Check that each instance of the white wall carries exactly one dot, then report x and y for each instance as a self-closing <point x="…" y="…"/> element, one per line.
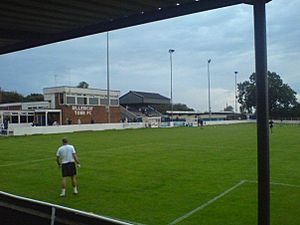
<point x="28" y="130"/>
<point x="227" y="122"/>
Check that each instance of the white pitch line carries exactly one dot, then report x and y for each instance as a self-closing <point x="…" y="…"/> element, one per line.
<point x="288" y="185"/>
<point x="276" y="183"/>
<point x="207" y="203"/>
<point x="27" y="162"/>
<point x="54" y="157"/>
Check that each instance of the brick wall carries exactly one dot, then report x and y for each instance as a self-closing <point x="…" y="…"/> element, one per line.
<point x="88" y="113"/>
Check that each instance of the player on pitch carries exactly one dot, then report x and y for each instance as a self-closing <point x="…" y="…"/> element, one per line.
<point x="66" y="157"/>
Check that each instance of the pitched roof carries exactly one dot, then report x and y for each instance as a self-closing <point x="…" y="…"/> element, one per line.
<point x="149" y="95"/>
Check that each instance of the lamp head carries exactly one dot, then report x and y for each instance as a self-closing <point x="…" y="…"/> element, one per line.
<point x="171" y="50"/>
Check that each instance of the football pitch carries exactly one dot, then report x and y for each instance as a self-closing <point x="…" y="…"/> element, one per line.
<point x="188" y="176"/>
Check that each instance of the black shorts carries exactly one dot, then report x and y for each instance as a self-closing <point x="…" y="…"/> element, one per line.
<point x="68" y="169"/>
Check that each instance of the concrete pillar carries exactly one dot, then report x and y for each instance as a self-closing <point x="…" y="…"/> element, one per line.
<point x="46" y="118"/>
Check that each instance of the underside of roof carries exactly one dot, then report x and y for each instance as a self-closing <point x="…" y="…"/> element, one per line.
<point x="31" y="23"/>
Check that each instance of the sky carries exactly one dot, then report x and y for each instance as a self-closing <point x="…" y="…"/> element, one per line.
<point x="140" y="61"/>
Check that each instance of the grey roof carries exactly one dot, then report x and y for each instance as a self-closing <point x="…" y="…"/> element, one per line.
<point x="31" y="23"/>
<point x="143" y="98"/>
<point x="149" y="95"/>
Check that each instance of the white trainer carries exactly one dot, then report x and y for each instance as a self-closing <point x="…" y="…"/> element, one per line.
<point x="75" y="191"/>
<point x="63" y="193"/>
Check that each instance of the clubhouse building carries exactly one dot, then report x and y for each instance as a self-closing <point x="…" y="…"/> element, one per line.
<point x="65" y="105"/>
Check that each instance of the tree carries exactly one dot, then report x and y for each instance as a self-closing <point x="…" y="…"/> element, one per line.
<point x="282" y="98"/>
<point x="83" y="84"/>
<point x="247" y="96"/>
<point x="181" y="107"/>
<point x="228" y="108"/>
<point x="13" y="96"/>
<point x="295" y="112"/>
<point x="10" y="96"/>
<point x="176" y="107"/>
<point x="34" y="97"/>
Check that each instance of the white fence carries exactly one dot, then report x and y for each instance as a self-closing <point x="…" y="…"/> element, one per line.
<point x="29" y="130"/>
<point x="295" y="122"/>
<point x="227" y="122"/>
<point x="18" y="130"/>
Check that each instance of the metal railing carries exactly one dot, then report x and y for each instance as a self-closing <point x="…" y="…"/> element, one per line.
<point x="16" y="210"/>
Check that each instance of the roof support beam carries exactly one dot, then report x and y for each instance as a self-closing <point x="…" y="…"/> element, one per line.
<point x="262" y="112"/>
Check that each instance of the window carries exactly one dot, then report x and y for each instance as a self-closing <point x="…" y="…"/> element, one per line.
<point x="103" y="101"/>
<point x="114" y="102"/>
<point x="61" y="98"/>
<point x="81" y="101"/>
<point x="23" y="119"/>
<point x="93" y="101"/>
<point x="14" y="119"/>
<point x="30" y="119"/>
<point x="70" y="100"/>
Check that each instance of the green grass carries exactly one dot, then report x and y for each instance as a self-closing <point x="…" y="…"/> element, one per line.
<point x="154" y="176"/>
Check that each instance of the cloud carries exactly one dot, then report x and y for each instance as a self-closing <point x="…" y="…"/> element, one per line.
<point x="198" y="98"/>
<point x="298" y="97"/>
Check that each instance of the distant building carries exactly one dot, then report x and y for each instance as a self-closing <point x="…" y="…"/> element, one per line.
<point x="191" y="116"/>
<point x="140" y="106"/>
<point x="138" y="98"/>
<point x="83" y="105"/>
<point x="29" y="112"/>
<point x="64" y="105"/>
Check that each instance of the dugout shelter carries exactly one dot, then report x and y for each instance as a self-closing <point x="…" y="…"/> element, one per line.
<point x="32" y="23"/>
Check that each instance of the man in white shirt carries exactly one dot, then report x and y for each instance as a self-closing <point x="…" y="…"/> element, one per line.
<point x="66" y="157"/>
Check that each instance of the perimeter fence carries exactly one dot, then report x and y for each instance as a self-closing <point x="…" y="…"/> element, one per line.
<point x="16" y="210"/>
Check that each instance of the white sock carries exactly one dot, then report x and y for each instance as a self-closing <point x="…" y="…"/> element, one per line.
<point x="63" y="191"/>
